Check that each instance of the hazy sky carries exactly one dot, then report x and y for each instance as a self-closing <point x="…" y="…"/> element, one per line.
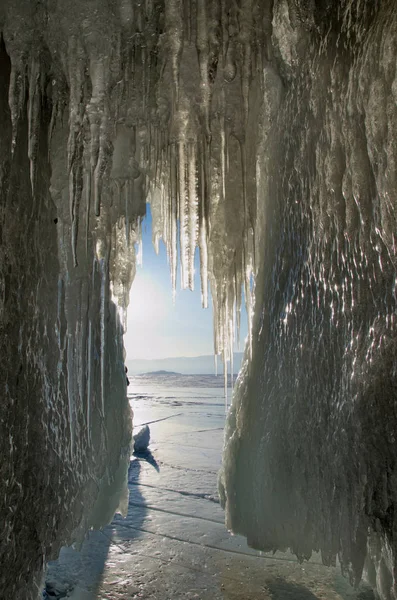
<point x="156" y="328"/>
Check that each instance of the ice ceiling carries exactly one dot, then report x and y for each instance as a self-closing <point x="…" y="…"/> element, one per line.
<point x="263" y="132"/>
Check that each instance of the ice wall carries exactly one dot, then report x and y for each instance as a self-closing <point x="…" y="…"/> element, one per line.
<point x="310" y="455"/>
<point x="262" y="132"/>
<point x="65" y="420"/>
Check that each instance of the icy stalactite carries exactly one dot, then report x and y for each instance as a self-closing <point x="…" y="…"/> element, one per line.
<point x="203" y="236"/>
<point x="202" y="44"/>
<point x="203" y="263"/>
<point x="245" y="40"/>
<point x="34" y="106"/>
<point x="225" y="374"/>
<point x="183" y="215"/>
<point x="192" y="211"/>
<point x="76" y="78"/>
<point x="98" y="119"/>
<point x="71" y="392"/>
<point x="172" y="211"/>
<point x="87" y="211"/>
<point x="103" y="306"/>
<point x="175" y="34"/>
<point x="127" y="194"/>
<point x="16" y="95"/>
<point x="89" y="380"/>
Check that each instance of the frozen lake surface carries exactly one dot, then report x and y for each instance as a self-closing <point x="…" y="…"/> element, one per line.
<point x="173" y="543"/>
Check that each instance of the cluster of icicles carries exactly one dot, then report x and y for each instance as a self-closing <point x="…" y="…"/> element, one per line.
<point x="156" y="93"/>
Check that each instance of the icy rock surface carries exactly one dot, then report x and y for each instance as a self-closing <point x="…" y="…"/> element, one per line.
<point x="263" y="133"/>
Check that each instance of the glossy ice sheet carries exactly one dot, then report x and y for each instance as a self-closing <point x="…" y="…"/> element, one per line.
<point x="173" y="543"/>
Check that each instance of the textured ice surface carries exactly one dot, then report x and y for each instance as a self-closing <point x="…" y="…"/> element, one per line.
<point x="173" y="543"/>
<point x="263" y="132"/>
<point x="309" y="461"/>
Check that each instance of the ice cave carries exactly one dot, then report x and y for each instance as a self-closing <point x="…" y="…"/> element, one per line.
<point x="263" y="132"/>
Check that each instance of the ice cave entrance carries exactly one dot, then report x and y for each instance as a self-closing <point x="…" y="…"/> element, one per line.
<point x="169" y="344"/>
<point x="172" y="332"/>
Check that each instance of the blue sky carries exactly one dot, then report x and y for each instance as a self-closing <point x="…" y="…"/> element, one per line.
<point x="156" y="327"/>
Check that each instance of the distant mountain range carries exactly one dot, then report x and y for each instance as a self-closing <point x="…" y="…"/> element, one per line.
<point x="186" y="365"/>
<point x="151" y="373"/>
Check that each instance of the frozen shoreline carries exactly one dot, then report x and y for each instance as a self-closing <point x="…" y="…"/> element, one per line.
<point x="173" y="543"/>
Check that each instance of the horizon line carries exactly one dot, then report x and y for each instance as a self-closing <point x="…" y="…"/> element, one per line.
<point x="179" y="357"/>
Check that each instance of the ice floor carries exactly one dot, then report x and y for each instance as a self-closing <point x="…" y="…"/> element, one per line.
<point x="173" y="543"/>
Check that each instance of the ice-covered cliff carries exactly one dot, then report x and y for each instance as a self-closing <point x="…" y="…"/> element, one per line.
<point x="262" y="132"/>
<point x="310" y="456"/>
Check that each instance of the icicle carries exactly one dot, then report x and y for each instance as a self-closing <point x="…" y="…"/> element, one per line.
<point x="127" y="212"/>
<point x="60" y="301"/>
<point x="88" y="208"/>
<point x="94" y="134"/>
<point x="103" y="160"/>
<point x="167" y="199"/>
<point x="104" y="285"/>
<point x="81" y="350"/>
<point x="75" y="140"/>
<point x="215" y="40"/>
<point x="75" y="193"/>
<point x="76" y="76"/>
<point x="230" y="317"/>
<point x="203" y="56"/>
<point x="224" y="31"/>
<point x="224" y="356"/>
<point x="139" y="256"/>
<point x="188" y="15"/>
<point x="248" y="304"/>
<point x="183" y="215"/>
<point x="51" y="127"/>
<point x="229" y="67"/>
<point x="71" y="394"/>
<point x="164" y="214"/>
<point x="34" y="106"/>
<point x="173" y="253"/>
<point x="244" y="181"/>
<point x="232" y="369"/>
<point x="203" y="263"/>
<point x="246" y="249"/>
<point x="156" y="243"/>
<point x="193" y="208"/>
<point x="157" y="151"/>
<point x="203" y="233"/>
<point x="237" y="293"/>
<point x="222" y="120"/>
<point x="174" y="29"/>
<point x="89" y="382"/>
<point x="16" y="97"/>
<point x="215" y="320"/>
<point x="163" y="157"/>
<point x="245" y="18"/>
<point x="97" y="111"/>
<point x="145" y="99"/>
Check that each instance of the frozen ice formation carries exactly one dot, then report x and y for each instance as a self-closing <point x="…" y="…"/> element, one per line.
<point x="142" y="439"/>
<point x="263" y="133"/>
